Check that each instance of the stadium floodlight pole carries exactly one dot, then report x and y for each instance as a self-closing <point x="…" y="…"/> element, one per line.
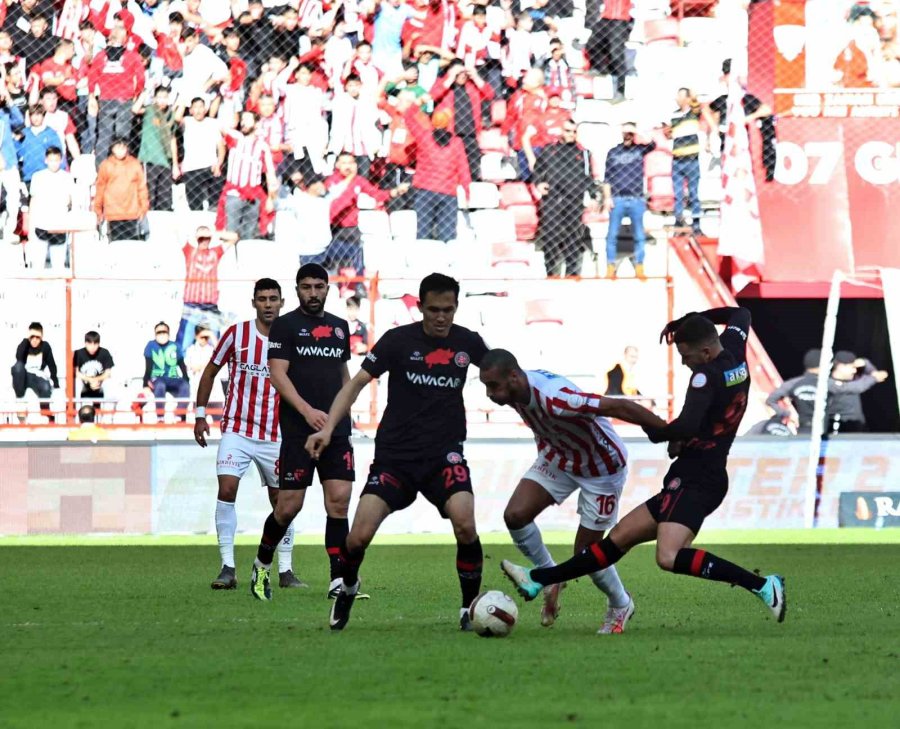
<point x="818" y="443"/>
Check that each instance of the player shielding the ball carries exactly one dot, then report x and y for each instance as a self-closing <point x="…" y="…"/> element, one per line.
<point x="697" y="481"/>
<point x="578" y="450"/>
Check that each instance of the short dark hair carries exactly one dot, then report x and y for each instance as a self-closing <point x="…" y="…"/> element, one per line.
<point x="696" y="330"/>
<point x="117" y="141"/>
<point x="347" y="153"/>
<point x="355" y="300"/>
<point x="479" y="10"/>
<point x="198" y="98"/>
<point x="438" y="283"/>
<point x="312" y="270"/>
<point x="51" y="151"/>
<point x="36" y="325"/>
<point x="92" y="337"/>
<point x="352" y="77"/>
<point x="726" y="66"/>
<point x="229" y="31"/>
<point x="37" y="109"/>
<point x="161" y="324"/>
<point x="266" y="284"/>
<point x="188" y="32"/>
<point x="176" y="18"/>
<point x="161" y="88"/>
<point x="499" y="359"/>
<point x="87" y="414"/>
<point x="86" y="25"/>
<point x="48" y="90"/>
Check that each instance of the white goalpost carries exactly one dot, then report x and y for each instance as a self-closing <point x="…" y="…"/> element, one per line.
<point x="818" y="445"/>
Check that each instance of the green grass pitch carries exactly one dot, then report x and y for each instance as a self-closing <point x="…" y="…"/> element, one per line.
<point x="130" y="634"/>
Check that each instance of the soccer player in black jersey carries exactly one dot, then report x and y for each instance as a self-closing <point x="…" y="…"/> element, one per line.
<point x="308" y="353"/>
<point x="419" y="442"/>
<point x="699" y="439"/>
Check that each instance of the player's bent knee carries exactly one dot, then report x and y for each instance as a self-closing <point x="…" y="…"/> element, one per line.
<point x="665" y="558"/>
<point x="515" y="518"/>
<point x="465" y="532"/>
<point x="359" y="538"/>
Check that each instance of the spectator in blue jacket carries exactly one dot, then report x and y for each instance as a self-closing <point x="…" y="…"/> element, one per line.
<point x="9" y="179"/>
<point x="623" y="196"/>
<point x="36" y="140"/>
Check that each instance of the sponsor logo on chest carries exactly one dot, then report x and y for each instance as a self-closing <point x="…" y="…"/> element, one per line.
<point x="260" y="370"/>
<point x="320" y="351"/>
<point x="419" y="378"/>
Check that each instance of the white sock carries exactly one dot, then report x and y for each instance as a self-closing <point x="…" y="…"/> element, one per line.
<point x="609" y="583"/>
<point x="530" y="543"/>
<point x="286" y="549"/>
<point x="226" y="526"/>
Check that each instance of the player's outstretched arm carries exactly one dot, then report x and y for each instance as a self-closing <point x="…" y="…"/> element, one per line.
<point x="340" y="407"/>
<point x="629" y="412"/>
<point x="687" y="424"/>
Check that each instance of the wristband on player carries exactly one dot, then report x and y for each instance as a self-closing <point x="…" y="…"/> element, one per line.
<point x="200" y="412"/>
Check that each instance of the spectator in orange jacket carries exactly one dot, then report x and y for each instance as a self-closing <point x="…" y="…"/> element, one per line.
<point x="461" y="91"/>
<point x="122" y="198"/>
<point x="441" y="167"/>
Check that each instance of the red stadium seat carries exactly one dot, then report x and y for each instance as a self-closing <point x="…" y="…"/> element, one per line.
<point x="515" y="193"/>
<point x="493" y="140"/>
<point x="584" y="85"/>
<point x="663" y="30"/>
<point x="542" y="311"/>
<point x="658" y="164"/>
<point x="511" y="253"/>
<point x="662" y="194"/>
<point x="526" y="221"/>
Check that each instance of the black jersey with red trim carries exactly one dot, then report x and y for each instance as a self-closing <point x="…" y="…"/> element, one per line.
<point x="425" y="415"/>
<point x="716" y="398"/>
<point x="316" y="348"/>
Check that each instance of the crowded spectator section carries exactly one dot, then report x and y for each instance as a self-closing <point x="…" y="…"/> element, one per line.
<point x="493" y="122"/>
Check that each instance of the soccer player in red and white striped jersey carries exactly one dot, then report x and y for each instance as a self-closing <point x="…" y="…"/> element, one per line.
<point x="578" y="450"/>
<point x="250" y="432"/>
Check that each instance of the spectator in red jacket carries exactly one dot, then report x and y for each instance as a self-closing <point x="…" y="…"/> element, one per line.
<point x="461" y="91"/>
<point x="441" y="167"/>
<point x="344" y="188"/>
<point x="525" y="111"/>
<point x="115" y="78"/>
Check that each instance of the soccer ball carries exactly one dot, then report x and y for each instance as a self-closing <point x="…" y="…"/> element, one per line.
<point x="493" y="614"/>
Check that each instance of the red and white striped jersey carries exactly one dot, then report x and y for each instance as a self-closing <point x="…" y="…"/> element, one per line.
<point x="476" y="45"/>
<point x="567" y="428"/>
<point x="248" y="157"/>
<point x="251" y="402"/>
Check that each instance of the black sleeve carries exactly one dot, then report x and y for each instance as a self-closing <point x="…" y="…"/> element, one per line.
<point x="22" y="351"/>
<point x="778" y="394"/>
<point x="542" y="166"/>
<point x="50" y="364"/>
<point x="279" y="340"/>
<point x="851" y="387"/>
<point x="479" y="349"/>
<point x="696" y="404"/>
<point x="647" y="148"/>
<point x="750" y="103"/>
<point x="106" y="359"/>
<point x="737" y="327"/>
<point x="148" y="369"/>
<point x="719" y="104"/>
<point x="378" y="360"/>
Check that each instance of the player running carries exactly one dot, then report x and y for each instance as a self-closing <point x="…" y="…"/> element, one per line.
<point x="249" y="425"/>
<point x="308" y="353"/>
<point x="419" y="442"/>
<point x="697" y="481"/>
<point x="578" y="450"/>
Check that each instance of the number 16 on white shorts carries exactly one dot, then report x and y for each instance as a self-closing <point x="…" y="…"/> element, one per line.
<point x="598" y="497"/>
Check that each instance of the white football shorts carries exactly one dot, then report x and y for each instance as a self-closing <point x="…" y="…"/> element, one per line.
<point x="237" y="452"/>
<point x="598" y="497"/>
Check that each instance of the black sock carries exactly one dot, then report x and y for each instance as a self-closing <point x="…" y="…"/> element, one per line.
<point x="469" y="562"/>
<point x="349" y="564"/>
<point x="336" y="531"/>
<point x="596" y="556"/>
<point x="698" y="563"/>
<point x="272" y="535"/>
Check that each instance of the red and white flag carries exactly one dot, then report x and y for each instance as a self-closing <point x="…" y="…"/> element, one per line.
<point x="740" y="233"/>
